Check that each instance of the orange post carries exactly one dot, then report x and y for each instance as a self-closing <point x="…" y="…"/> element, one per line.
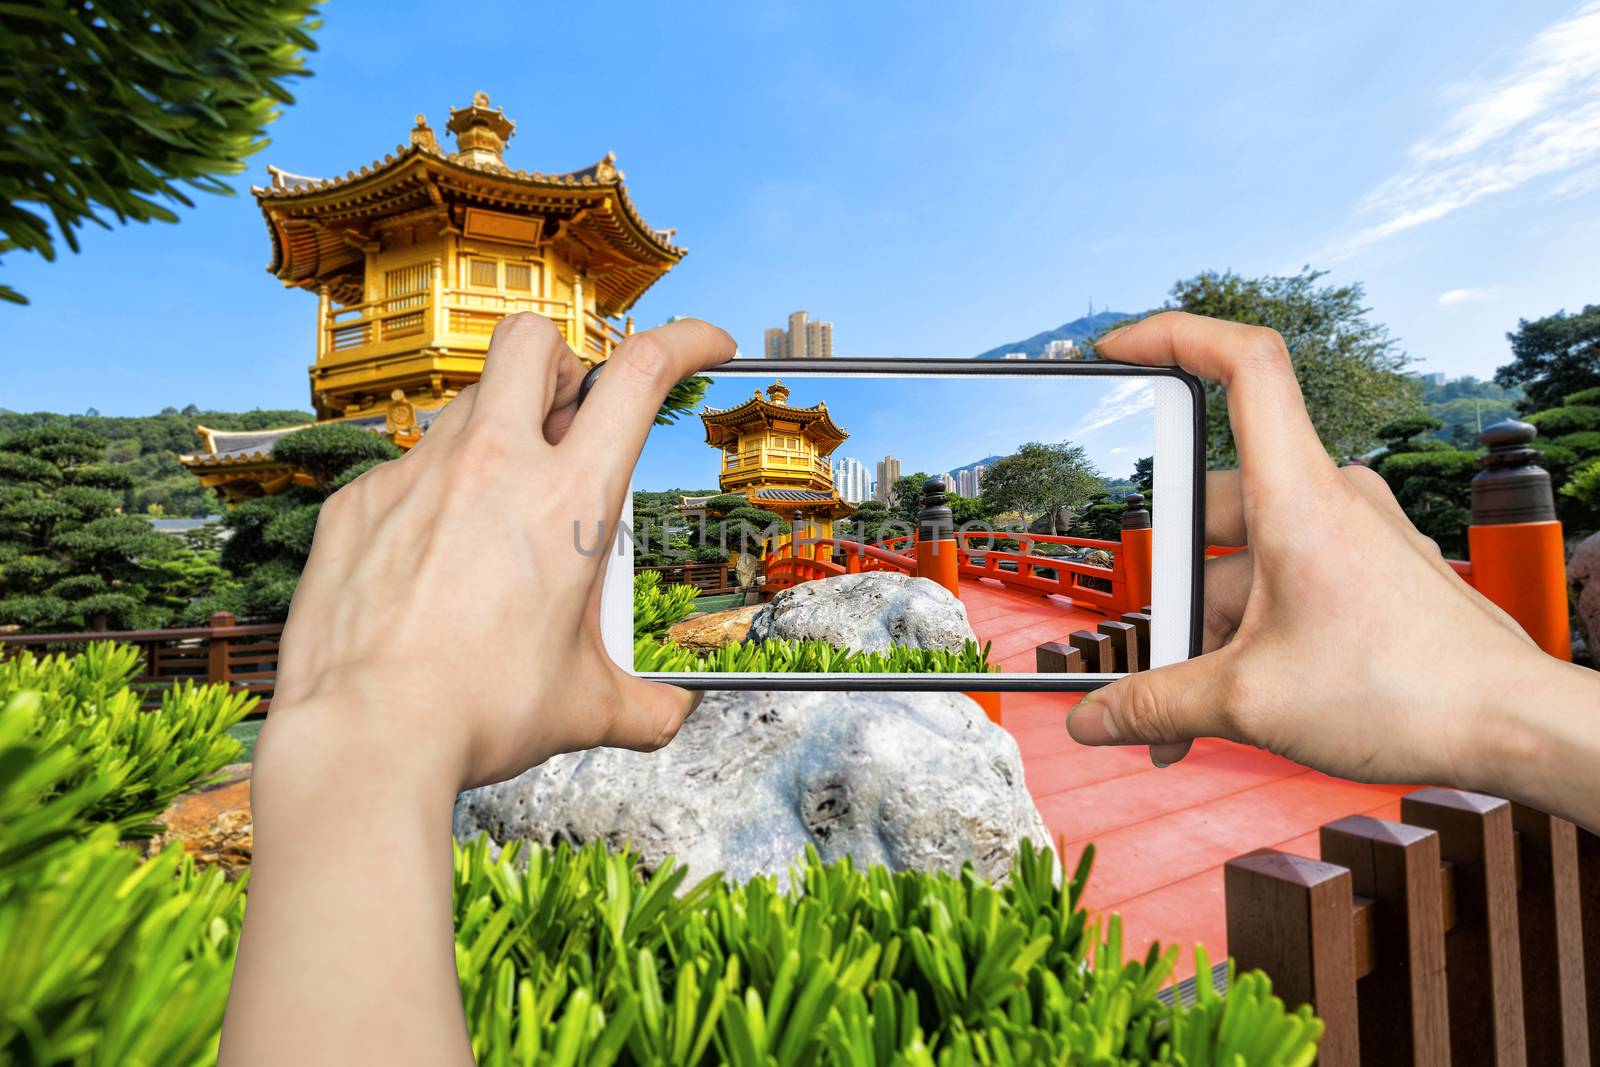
<point x="1138" y="547"/>
<point x="1515" y="543"/>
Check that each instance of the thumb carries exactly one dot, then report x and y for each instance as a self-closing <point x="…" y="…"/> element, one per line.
<point x="1165" y="708"/>
<point x="650" y="713"/>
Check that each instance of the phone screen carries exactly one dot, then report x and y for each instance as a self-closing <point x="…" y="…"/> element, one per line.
<point x="964" y="526"/>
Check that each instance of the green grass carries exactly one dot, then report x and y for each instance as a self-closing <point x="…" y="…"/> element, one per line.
<point x="721" y="602"/>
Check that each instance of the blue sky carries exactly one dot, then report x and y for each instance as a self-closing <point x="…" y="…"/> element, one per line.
<point x="929" y="424"/>
<point x="933" y="180"/>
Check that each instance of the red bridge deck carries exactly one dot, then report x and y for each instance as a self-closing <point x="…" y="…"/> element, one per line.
<point x="1161" y="836"/>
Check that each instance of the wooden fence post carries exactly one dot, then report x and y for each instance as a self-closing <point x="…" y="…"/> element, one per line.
<point x="1589" y="905"/>
<point x="1481" y="951"/>
<point x="1402" y="1001"/>
<point x="1124" y="644"/>
<point x="1552" y="939"/>
<point x="217" y="648"/>
<point x="1292" y="918"/>
<point x="1518" y="557"/>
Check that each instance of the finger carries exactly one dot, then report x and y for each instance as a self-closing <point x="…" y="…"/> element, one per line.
<point x="1227" y="591"/>
<point x="1225" y="509"/>
<point x="520" y="372"/>
<point x="651" y="713"/>
<point x="1276" y="441"/>
<point x="455" y="415"/>
<point x="564" y="405"/>
<point x="1169" y="705"/>
<point x="611" y="426"/>
<point x="1164" y="756"/>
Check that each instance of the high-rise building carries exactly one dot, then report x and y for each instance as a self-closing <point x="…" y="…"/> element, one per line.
<point x="851" y="478"/>
<point x="964" y="483"/>
<point x="804" y="339"/>
<point x="1066" y="349"/>
<point x="888" y="474"/>
<point x="977" y="479"/>
<point x="949" y="482"/>
<point x="1015" y="355"/>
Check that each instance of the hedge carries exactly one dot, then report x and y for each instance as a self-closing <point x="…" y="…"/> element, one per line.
<point x="565" y="957"/>
<point x="774" y="656"/>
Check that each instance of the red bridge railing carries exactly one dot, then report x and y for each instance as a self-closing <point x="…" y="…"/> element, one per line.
<point x="1012" y="559"/>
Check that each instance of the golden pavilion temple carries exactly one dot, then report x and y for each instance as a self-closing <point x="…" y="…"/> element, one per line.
<point x="413" y="260"/>
<point x="776" y="456"/>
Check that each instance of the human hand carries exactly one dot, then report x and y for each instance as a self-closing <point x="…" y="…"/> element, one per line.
<point x="1340" y="638"/>
<point x="446" y="600"/>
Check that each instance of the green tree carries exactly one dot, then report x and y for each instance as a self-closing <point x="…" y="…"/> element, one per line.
<point x="117" y="107"/>
<point x="270" y="536"/>
<point x="1554" y="357"/>
<point x="1042" y="479"/>
<point x="1431" y="480"/>
<point x="69" y="560"/>
<point x="1349" y="368"/>
<point x="1144" y="475"/>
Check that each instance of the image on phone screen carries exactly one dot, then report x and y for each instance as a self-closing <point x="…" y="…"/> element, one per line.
<point x="961" y="526"/>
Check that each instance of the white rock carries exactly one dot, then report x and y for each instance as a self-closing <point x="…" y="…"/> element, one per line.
<point x="911" y="780"/>
<point x="868" y="612"/>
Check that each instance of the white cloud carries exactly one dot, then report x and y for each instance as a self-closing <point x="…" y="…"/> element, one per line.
<point x="1456" y="297"/>
<point x="1132" y="396"/>
<point x="1540" y="119"/>
<point x="1116" y="451"/>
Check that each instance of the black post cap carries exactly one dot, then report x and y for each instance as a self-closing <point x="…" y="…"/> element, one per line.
<point x="1135" y="516"/>
<point x="1511" y="487"/>
<point x="935" y="522"/>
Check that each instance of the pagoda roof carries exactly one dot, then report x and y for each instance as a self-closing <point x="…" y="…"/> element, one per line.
<point x="723" y="423"/>
<point x="234" y="448"/>
<point x="321" y="227"/>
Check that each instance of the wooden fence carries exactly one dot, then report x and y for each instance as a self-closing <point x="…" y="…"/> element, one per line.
<point x="1113" y="647"/>
<point x="1460" y="935"/>
<point x="712" y="579"/>
<point x="244" y="657"/>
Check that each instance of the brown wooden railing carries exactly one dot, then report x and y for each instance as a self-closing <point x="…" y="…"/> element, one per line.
<point x="1462" y="934"/>
<point x="245" y="657"/>
<point x="712" y="579"/>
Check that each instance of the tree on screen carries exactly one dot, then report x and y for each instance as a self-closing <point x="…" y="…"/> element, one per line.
<point x="1554" y="357"/>
<point x="1042" y="479"/>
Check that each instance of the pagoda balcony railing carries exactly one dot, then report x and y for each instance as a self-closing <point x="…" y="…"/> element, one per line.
<point x="459" y="319"/>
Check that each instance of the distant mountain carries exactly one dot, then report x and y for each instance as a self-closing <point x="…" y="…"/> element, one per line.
<point x="986" y="462"/>
<point x="1078" y="330"/>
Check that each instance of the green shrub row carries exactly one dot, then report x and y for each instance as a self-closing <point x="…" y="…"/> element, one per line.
<point x="584" y="958"/>
<point x="773" y="656"/>
<point x="565" y="957"/>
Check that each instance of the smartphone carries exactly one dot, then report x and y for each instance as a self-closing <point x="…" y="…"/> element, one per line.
<point x="913" y="524"/>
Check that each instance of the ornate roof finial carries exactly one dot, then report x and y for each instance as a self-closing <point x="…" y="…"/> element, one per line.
<point x="422" y="134"/>
<point x="481" y="132"/>
<point x="606" y="170"/>
<point x="777" y="392"/>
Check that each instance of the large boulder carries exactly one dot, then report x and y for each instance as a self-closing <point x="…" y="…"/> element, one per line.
<point x="1583" y="572"/>
<point x="707" y="633"/>
<point x="910" y="780"/>
<point x="868" y="612"/>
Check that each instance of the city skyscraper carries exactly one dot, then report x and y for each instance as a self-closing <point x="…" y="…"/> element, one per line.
<point x="949" y="482"/>
<point x="964" y="483"/>
<point x="977" y="479"/>
<point x="804" y="339"/>
<point x="852" y="479"/>
<point x="888" y="474"/>
<point x="1067" y="349"/>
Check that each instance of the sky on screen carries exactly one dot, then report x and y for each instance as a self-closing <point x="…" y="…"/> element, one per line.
<point x="933" y="180"/>
<point x="929" y="424"/>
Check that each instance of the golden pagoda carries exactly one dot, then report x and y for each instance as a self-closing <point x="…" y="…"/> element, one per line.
<point x="415" y="257"/>
<point x="776" y="456"/>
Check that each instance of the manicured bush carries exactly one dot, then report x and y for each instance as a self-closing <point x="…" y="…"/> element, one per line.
<point x="585" y="958"/>
<point x="808" y="657"/>
<point x="1569" y="418"/>
<point x="654" y="608"/>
